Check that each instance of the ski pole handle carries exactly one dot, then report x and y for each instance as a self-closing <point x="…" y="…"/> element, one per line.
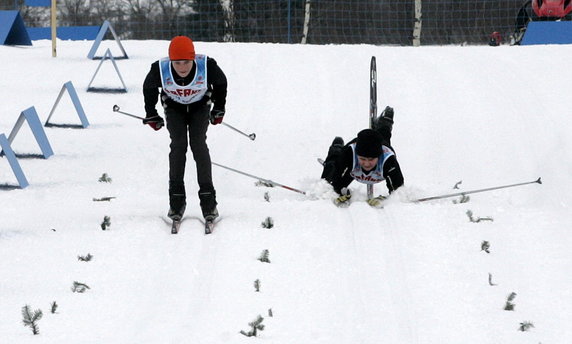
<point x="250" y="136"/>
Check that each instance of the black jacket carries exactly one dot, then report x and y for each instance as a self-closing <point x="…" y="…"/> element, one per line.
<point x="216" y="81"/>
<point x="338" y="173"/>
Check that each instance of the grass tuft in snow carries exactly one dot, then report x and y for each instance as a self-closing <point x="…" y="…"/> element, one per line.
<point x="491" y="280"/>
<point x="264" y="256"/>
<point x="268" y="223"/>
<point x="106" y="222"/>
<point x="105" y="178"/>
<point x="54" y="307"/>
<point x="509" y="305"/>
<point x="525" y="326"/>
<point x="485" y="246"/>
<point x="79" y="287"/>
<point x="255" y="326"/>
<point x="31" y="319"/>
<point x="88" y="257"/>
<point x="477" y="219"/>
<point x="103" y="199"/>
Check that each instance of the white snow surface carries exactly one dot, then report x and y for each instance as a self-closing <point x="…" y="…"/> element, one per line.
<point x="408" y="273"/>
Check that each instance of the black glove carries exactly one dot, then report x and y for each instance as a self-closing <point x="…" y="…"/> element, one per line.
<point x="217" y="115"/>
<point x="154" y="121"/>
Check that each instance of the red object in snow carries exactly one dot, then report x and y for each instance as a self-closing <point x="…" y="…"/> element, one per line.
<point x="495" y="39"/>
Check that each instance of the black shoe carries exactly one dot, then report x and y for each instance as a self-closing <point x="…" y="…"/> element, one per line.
<point x="177" y="205"/>
<point x="388" y="113"/>
<point x="176" y="215"/>
<point x="338" y="141"/>
<point x="384" y="122"/>
<point x="208" y="203"/>
<point x="211" y="215"/>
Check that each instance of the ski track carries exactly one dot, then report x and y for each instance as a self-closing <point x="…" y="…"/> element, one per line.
<point x="376" y="244"/>
<point x="391" y="248"/>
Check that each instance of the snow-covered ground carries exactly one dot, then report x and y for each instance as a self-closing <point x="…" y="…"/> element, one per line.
<point x="409" y="273"/>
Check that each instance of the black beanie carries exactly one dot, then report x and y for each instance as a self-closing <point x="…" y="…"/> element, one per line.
<point x="368" y="143"/>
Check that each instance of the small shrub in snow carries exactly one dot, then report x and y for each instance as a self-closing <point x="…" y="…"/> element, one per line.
<point x="105" y="178"/>
<point x="509" y="305"/>
<point x="85" y="258"/>
<point x="106" y="223"/>
<point x="79" y="287"/>
<point x="255" y="326"/>
<point x="31" y="318"/>
<point x="478" y="219"/>
<point x="491" y="280"/>
<point x="268" y="223"/>
<point x="103" y="199"/>
<point x="485" y="246"/>
<point x="53" y="307"/>
<point x="264" y="256"/>
<point x="264" y="183"/>
<point x="462" y="199"/>
<point x="525" y="326"/>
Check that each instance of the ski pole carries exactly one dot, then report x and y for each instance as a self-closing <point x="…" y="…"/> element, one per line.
<point x="116" y="109"/>
<point x="250" y="136"/>
<point x="538" y="181"/>
<point x="265" y="181"/>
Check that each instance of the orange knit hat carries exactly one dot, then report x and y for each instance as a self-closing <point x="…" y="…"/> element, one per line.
<point x="181" y="48"/>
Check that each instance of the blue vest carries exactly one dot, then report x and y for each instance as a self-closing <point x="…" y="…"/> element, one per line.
<point x="374" y="176"/>
<point x="190" y="93"/>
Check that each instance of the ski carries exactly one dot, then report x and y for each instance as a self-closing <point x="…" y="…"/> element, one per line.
<point x="175" y="226"/>
<point x="372" y="106"/>
<point x="209" y="226"/>
<point x="321" y="161"/>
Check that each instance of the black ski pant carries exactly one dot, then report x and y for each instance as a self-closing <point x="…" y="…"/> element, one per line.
<point x="189" y="129"/>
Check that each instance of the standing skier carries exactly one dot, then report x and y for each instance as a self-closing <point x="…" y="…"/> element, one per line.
<point x="189" y="82"/>
<point x="368" y="159"/>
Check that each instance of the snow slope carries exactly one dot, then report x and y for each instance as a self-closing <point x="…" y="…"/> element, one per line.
<point x="409" y="273"/>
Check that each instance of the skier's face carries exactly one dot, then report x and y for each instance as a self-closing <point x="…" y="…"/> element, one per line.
<point x="367" y="164"/>
<point x="183" y="67"/>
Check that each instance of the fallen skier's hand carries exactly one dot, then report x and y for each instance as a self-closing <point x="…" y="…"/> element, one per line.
<point x="343" y="201"/>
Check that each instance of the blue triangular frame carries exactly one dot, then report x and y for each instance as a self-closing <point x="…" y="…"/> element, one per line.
<point x="14" y="164"/>
<point x="31" y="116"/>
<point x="107" y="56"/>
<point x="100" y="35"/>
<point x="12" y="29"/>
<point x="76" y="103"/>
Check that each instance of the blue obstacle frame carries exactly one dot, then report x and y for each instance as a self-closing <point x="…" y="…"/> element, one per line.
<point x="31" y="117"/>
<point x="12" y="29"/>
<point x="101" y="34"/>
<point x="77" y="105"/>
<point x="107" y="56"/>
<point x="14" y="164"/>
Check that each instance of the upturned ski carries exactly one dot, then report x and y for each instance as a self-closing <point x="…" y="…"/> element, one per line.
<point x="175" y="226"/>
<point x="209" y="226"/>
<point x="372" y="106"/>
